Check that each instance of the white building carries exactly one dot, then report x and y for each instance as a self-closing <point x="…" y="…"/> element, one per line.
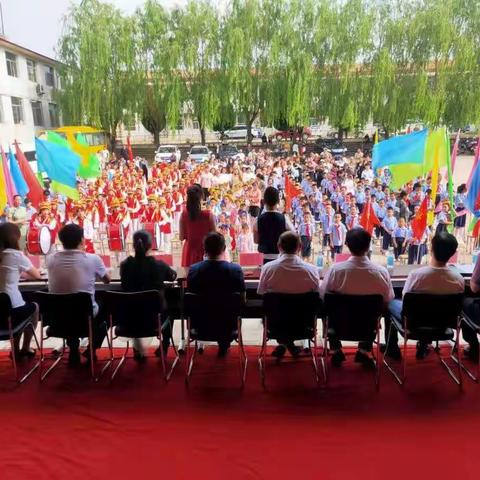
<point x="27" y="106"/>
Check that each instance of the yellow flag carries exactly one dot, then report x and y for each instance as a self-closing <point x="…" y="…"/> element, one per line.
<point x="3" y="191"/>
<point x="375" y="137"/>
<point x="434" y="184"/>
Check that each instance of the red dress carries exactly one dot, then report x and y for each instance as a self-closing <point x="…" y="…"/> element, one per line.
<point x="194" y="231"/>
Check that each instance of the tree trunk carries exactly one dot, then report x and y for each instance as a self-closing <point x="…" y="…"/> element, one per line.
<point x="249" y="132"/>
<point x="156" y="137"/>
<point x="340" y="134"/>
<point x="202" y="135"/>
<point x="387" y="133"/>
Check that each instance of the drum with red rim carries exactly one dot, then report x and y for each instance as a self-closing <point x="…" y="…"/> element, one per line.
<point x="116" y="238"/>
<point x="154" y="230"/>
<point x="39" y="241"/>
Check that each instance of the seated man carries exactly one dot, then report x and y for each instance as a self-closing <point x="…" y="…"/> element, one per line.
<point x="471" y="307"/>
<point x="436" y="278"/>
<point x="357" y="276"/>
<point x="71" y="271"/>
<point x="288" y="274"/>
<point x="215" y="275"/>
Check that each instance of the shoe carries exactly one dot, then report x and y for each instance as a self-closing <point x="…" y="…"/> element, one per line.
<point x="471" y="353"/>
<point x="222" y="352"/>
<point x="422" y="351"/>
<point x="86" y="354"/>
<point x="74" y="358"/>
<point x="394" y="353"/>
<point x="294" y="350"/>
<point x="138" y="356"/>
<point x="366" y="360"/>
<point x="338" y="358"/>
<point x="279" y="351"/>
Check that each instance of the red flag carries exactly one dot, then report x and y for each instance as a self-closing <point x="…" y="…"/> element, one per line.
<point x="35" y="191"/>
<point x="129" y="148"/>
<point x="419" y="223"/>
<point x="368" y="219"/>
<point x="455" y="151"/>
<point x="291" y="191"/>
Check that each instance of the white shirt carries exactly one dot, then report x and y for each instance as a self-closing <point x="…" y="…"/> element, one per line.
<point x="288" y="274"/>
<point x="72" y="271"/>
<point x="437" y="280"/>
<point x="13" y="263"/>
<point x="358" y="276"/>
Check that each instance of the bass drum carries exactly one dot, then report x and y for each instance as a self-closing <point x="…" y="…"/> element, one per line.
<point x="116" y="238"/>
<point x="39" y="241"/>
<point x="154" y="230"/>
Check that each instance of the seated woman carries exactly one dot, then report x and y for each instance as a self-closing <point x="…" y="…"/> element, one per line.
<point x="144" y="272"/>
<point x="13" y="265"/>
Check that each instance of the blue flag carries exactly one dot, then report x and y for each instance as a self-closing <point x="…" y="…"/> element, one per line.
<point x="472" y="200"/>
<point x="20" y="184"/>
<point x="400" y="150"/>
<point x="60" y="163"/>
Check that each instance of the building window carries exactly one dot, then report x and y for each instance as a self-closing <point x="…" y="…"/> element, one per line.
<point x="37" y="114"/>
<point x="32" y="70"/>
<point x="53" y="113"/>
<point x="17" y="110"/>
<point x="50" y="77"/>
<point x="11" y="64"/>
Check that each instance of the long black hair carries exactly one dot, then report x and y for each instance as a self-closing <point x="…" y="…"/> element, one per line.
<point x="142" y="243"/>
<point x="194" y="202"/>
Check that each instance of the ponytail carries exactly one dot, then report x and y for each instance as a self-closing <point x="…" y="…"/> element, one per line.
<point x="142" y="243"/>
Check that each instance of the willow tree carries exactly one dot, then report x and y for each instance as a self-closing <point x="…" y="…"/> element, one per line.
<point x="196" y="41"/>
<point x="159" y="102"/>
<point x="99" y="58"/>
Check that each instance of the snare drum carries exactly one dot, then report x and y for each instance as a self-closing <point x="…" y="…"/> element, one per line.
<point x="39" y="241"/>
<point x="116" y="238"/>
<point x="154" y="230"/>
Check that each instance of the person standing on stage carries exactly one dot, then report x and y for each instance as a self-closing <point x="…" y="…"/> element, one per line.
<point x="19" y="216"/>
<point x="270" y="225"/>
<point x="195" y="223"/>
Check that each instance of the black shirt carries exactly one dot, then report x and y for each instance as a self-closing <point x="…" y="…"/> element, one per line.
<point x="147" y="273"/>
<point x="215" y="276"/>
<point x="270" y="226"/>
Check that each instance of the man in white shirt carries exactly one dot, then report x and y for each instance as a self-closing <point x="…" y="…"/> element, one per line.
<point x="357" y="276"/>
<point x="288" y="274"/>
<point x="437" y="278"/>
<point x="71" y="271"/>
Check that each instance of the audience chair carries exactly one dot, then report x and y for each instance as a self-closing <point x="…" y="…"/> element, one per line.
<point x="427" y="317"/>
<point x="211" y="318"/>
<point x="291" y="317"/>
<point x="139" y="315"/>
<point x="65" y="315"/>
<point x="475" y="326"/>
<point x="354" y="318"/>
<point x="8" y="332"/>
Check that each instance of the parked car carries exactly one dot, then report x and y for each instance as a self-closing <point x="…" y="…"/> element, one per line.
<point x="200" y="153"/>
<point x="230" y="151"/>
<point x="167" y="153"/>
<point x="334" y="146"/>
<point x="298" y="134"/>
<point x="239" y="132"/>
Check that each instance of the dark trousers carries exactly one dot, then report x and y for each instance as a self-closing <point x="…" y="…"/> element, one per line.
<point x="414" y="256"/>
<point x="336" y="344"/>
<point x="306" y="246"/>
<point x="399" y="248"/>
<point x="326" y="239"/>
<point x="386" y="241"/>
<point x="336" y="249"/>
<point x="471" y="307"/>
<point x="99" y="327"/>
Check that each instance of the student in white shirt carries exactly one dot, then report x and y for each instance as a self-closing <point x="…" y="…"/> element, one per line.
<point x="73" y="270"/>
<point x="437" y="278"/>
<point x="13" y="265"/>
<point x="357" y="276"/>
<point x="288" y="274"/>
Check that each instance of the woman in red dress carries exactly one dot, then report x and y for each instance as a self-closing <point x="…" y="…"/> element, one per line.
<point x="195" y="223"/>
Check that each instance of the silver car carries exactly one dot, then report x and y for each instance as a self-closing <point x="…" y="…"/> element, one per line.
<point x="167" y="154"/>
<point x="199" y="153"/>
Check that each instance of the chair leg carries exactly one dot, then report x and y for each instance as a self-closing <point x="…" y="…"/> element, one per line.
<point x="166" y="374"/>
<point x="378" y="362"/>
<point x="456" y="358"/>
<point x="400" y="378"/>
<point x="312" y="345"/>
<point x="109" y="362"/>
<point x="121" y="361"/>
<point x="191" y="360"/>
<point x="37" y="364"/>
<point x="55" y="363"/>
<point x="243" y="357"/>
<point x="12" y="353"/>
<point x="457" y="378"/>
<point x="90" y="343"/>
<point x="262" y="357"/>
<point x="325" y="351"/>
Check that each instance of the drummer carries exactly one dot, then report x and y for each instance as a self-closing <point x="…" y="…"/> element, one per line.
<point x="151" y="213"/>
<point x="43" y="218"/>
<point x="84" y="220"/>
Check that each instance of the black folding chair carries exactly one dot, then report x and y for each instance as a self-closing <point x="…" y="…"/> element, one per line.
<point x="473" y="323"/>
<point x="67" y="315"/>
<point x="287" y="318"/>
<point x="8" y="332"/>
<point x="139" y="315"/>
<point x="354" y="318"/>
<point x="429" y="318"/>
<point x="213" y="318"/>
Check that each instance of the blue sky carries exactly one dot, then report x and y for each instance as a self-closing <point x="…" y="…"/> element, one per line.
<point x="37" y="24"/>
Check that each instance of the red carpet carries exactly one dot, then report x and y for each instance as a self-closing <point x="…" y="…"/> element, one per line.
<point x="69" y="427"/>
